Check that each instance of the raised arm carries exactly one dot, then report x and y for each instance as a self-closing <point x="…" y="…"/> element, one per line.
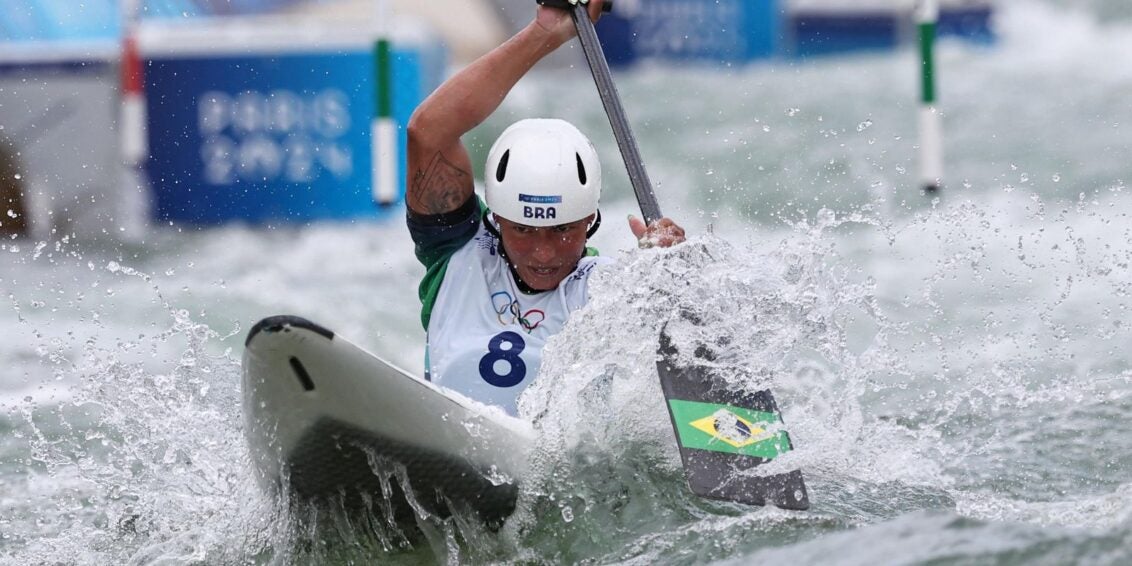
<point x="439" y="168"/>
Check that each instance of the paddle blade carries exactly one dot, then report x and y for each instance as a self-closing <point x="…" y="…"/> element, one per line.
<point x="724" y="434"/>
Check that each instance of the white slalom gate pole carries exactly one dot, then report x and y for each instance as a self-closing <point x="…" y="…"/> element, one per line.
<point x="931" y="129"/>
<point x="383" y="129"/>
<point x="132" y="119"/>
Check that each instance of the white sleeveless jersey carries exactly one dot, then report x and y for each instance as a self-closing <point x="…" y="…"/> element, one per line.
<point x="485" y="337"/>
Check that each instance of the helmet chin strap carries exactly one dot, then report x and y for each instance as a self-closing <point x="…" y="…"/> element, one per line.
<point x="593" y="227"/>
<point x="489" y="225"/>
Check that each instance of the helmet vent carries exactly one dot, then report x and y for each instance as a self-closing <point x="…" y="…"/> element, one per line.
<point x="501" y="169"/>
<point x="581" y="169"/>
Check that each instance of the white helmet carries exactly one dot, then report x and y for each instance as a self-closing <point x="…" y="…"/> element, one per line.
<point x="542" y="172"/>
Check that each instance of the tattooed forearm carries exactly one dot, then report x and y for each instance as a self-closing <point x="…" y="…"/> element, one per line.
<point x="440" y="187"/>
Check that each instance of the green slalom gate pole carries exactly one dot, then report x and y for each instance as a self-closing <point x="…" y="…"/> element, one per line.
<point x="383" y="128"/>
<point x="931" y="129"/>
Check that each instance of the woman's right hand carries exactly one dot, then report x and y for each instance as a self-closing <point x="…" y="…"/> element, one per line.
<point x="560" y="24"/>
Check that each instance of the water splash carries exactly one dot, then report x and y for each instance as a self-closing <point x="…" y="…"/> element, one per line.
<point x="779" y="319"/>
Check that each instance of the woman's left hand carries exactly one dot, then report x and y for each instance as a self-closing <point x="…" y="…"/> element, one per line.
<point x="662" y="233"/>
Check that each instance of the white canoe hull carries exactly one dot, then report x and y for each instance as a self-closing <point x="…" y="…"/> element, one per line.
<point x="325" y="418"/>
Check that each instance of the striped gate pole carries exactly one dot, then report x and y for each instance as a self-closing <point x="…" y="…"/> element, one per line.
<point x="931" y="129"/>
<point x="132" y="120"/>
<point x="383" y="129"/>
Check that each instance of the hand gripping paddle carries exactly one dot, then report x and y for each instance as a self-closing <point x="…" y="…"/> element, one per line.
<point x="723" y="434"/>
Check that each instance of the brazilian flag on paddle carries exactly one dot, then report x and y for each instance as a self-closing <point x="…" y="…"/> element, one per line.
<point x="724" y="434"/>
<point x="728" y="429"/>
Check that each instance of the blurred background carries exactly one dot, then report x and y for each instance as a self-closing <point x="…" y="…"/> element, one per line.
<point x="208" y="111"/>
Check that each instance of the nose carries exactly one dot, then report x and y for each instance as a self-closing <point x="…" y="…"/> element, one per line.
<point x="544" y="249"/>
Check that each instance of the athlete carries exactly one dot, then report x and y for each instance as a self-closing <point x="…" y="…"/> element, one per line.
<point x="503" y="276"/>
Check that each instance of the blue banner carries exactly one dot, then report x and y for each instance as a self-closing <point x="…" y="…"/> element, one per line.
<point x="191" y="8"/>
<point x="38" y="20"/>
<point x="711" y="30"/>
<point x="274" y="137"/>
<point x="35" y="20"/>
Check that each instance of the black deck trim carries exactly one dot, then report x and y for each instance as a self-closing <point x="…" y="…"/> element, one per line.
<point x="281" y="322"/>
<point x="302" y="373"/>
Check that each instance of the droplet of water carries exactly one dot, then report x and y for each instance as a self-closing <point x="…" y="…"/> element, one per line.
<point x="567" y="514"/>
<point x="188" y="359"/>
<point x="1056" y="178"/>
<point x="864" y="125"/>
<point x="793" y="111"/>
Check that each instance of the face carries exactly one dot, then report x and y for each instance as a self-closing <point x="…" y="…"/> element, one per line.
<point x="544" y="256"/>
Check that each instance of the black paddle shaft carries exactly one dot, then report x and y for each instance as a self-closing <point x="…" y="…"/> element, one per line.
<point x="599" y="68"/>
<point x="568" y="4"/>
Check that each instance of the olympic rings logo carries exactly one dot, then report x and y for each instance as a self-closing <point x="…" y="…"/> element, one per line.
<point x="507" y="310"/>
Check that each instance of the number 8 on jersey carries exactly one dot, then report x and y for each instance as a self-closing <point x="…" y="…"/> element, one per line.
<point x="503" y="354"/>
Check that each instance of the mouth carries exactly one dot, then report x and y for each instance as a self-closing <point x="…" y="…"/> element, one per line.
<point x="543" y="271"/>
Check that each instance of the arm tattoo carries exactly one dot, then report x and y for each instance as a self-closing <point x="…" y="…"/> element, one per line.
<point x="441" y="187"/>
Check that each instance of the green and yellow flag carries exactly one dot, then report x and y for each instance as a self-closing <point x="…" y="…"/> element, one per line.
<point x="729" y="429"/>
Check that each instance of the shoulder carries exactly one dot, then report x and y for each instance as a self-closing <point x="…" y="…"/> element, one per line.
<point x="437" y="236"/>
<point x="467" y="214"/>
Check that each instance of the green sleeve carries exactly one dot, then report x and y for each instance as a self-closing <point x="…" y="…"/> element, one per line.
<point x="436" y="238"/>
